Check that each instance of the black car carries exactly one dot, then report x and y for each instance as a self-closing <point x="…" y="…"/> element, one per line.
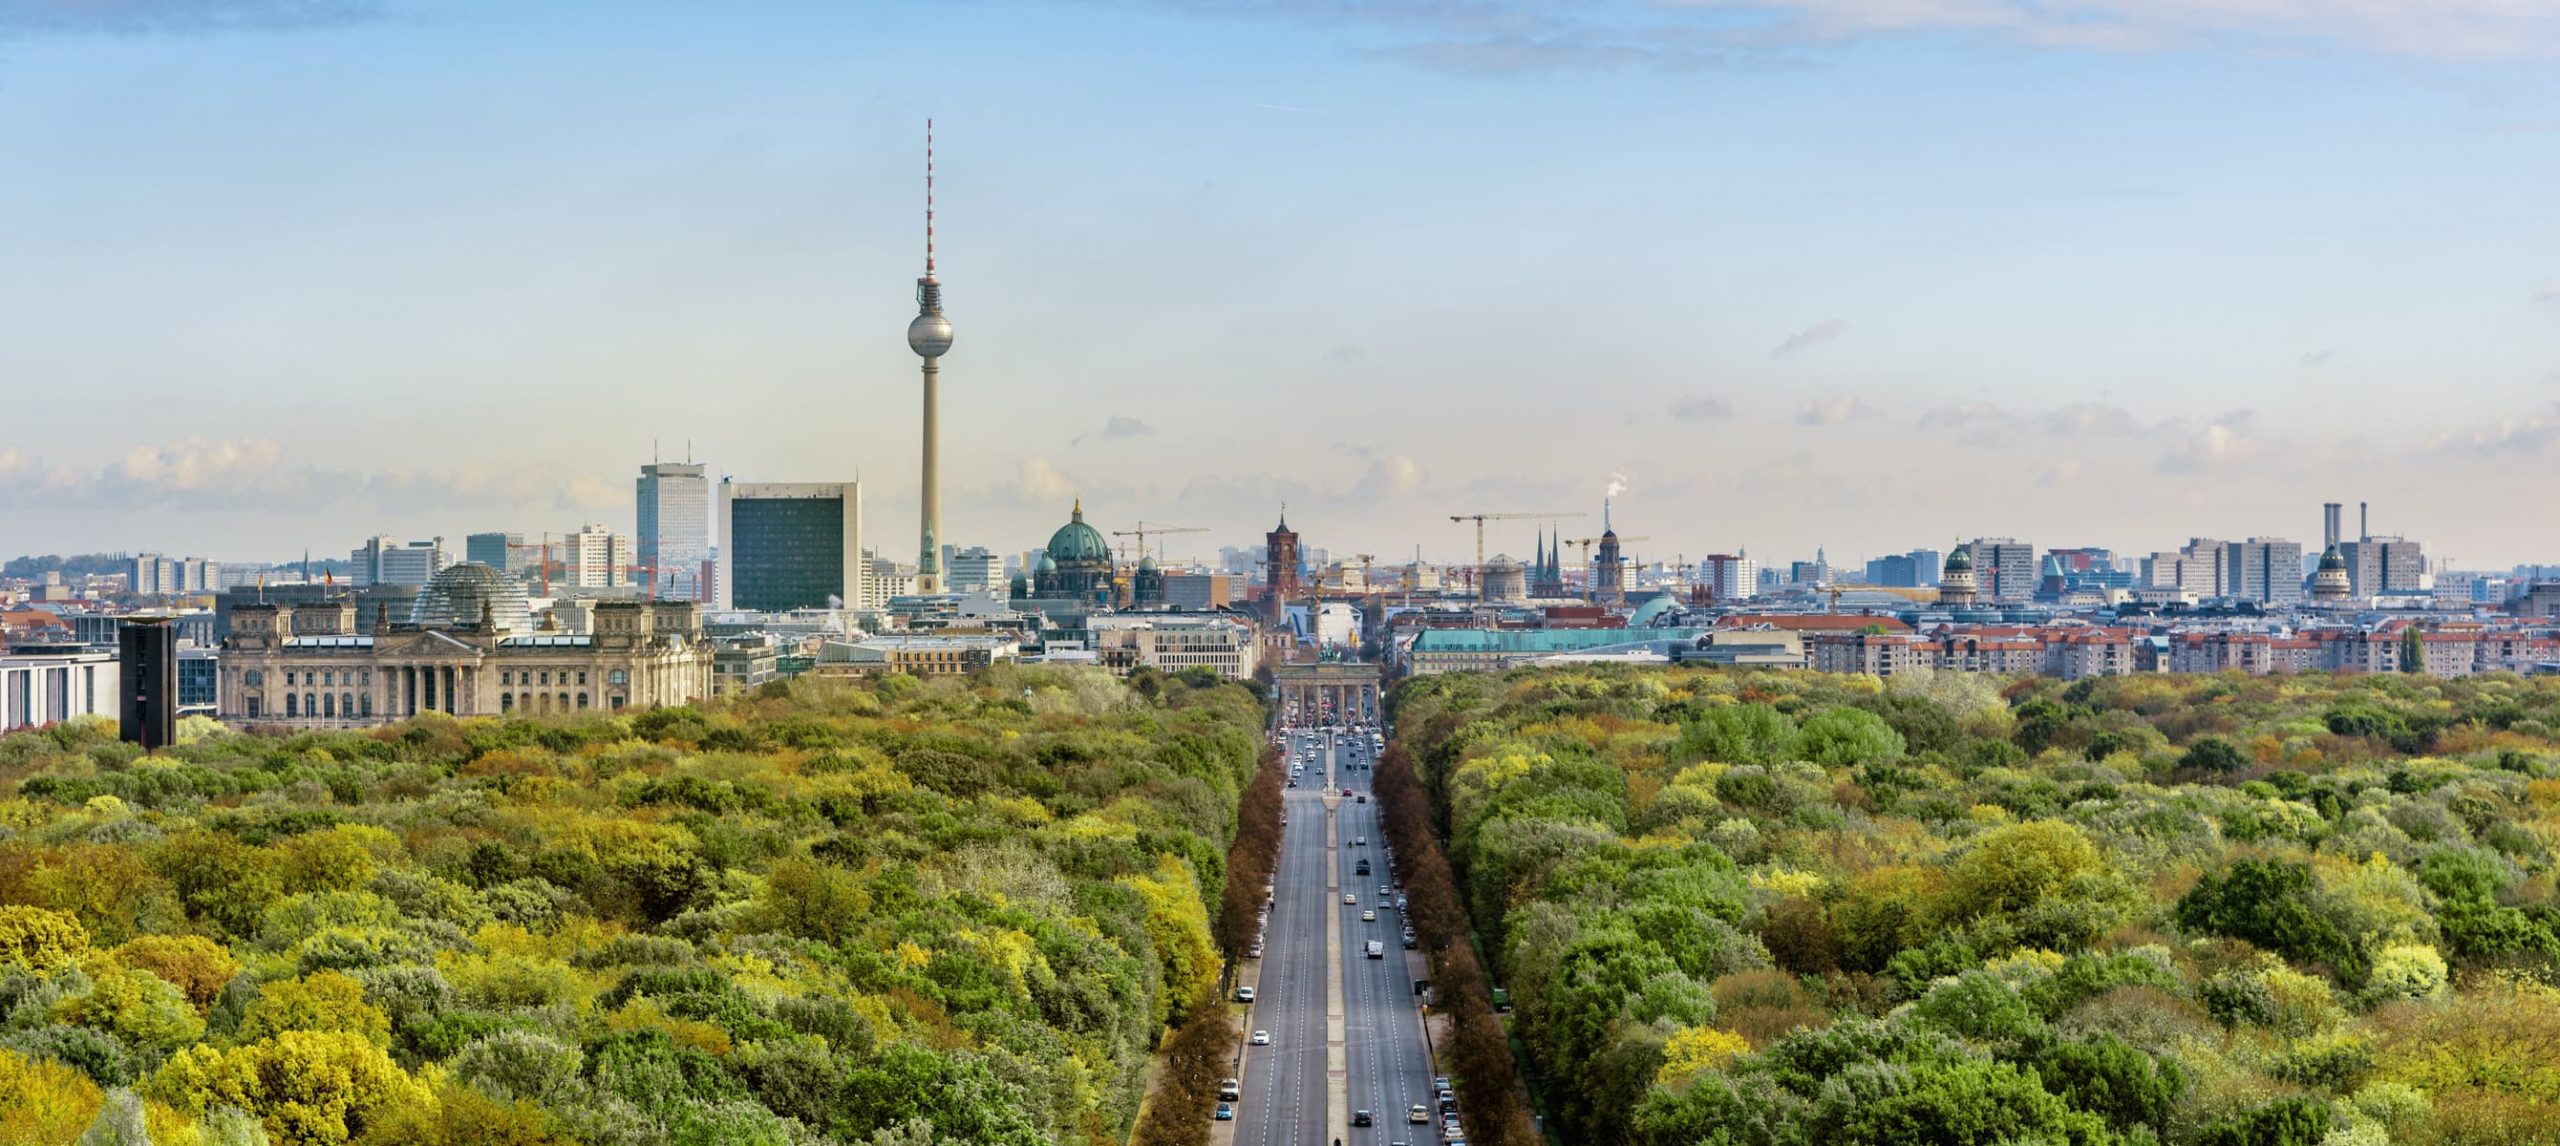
<point x="1358" y="1118"/>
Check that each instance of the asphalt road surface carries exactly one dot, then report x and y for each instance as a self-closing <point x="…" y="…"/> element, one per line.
<point x="1388" y="1067"/>
<point x="1284" y="1083"/>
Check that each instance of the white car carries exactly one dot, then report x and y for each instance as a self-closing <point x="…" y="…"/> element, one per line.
<point x="1263" y="1039"/>
<point x="1350" y="897"/>
<point x="1368" y="917"/>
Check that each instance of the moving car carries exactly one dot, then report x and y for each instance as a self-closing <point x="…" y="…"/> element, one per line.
<point x="1262" y="1038"/>
<point x="1358" y="1118"/>
<point x="1368" y="917"/>
<point x="1418" y="1116"/>
<point x="1377" y="950"/>
<point x="1350" y="897"/>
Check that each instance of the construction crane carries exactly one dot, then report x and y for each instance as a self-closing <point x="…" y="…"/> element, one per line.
<point x="1144" y="528"/>
<point x="1480" y="519"/>
<point x="545" y="547"/>
<point x="1366" y="585"/>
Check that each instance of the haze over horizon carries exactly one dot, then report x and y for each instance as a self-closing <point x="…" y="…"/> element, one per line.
<point x="288" y="273"/>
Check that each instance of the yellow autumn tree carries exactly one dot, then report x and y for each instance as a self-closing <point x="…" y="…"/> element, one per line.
<point x="1692" y="1051"/>
<point x="311" y="1088"/>
<point x="1178" y="926"/>
<point x="43" y="1101"/>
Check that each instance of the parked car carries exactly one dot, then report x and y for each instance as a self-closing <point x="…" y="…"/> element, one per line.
<point x="1225" y="1113"/>
<point x="1230" y="1090"/>
<point x="1243" y="995"/>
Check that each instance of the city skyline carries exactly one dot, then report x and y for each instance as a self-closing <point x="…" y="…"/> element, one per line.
<point x="1215" y="259"/>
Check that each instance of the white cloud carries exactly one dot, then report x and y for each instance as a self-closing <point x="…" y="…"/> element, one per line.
<point x="2225" y="440"/>
<point x="1041" y="481"/>
<point x="2318" y="358"/>
<point x="2550" y="292"/>
<point x="2434" y="28"/>
<point x="1391" y="476"/>
<point x="1838" y="409"/>
<point x="1810" y="337"/>
<point x="2505" y="437"/>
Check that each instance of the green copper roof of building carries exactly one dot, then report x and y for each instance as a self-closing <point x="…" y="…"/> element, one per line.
<point x="1536" y="642"/>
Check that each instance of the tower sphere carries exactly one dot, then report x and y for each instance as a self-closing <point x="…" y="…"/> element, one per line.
<point x="929" y="335"/>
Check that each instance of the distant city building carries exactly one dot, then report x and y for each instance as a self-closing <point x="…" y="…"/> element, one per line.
<point x="1169" y="643"/>
<point x="2378" y="566"/>
<point x="155" y="575"/>
<point x="504" y="552"/>
<point x="2200" y="568"/>
<point x="597" y="558"/>
<point x="1730" y="576"/>
<point x="2004" y="569"/>
<point x="1957" y="588"/>
<point x="465" y="651"/>
<point x="1202" y="591"/>
<point x="1282" y="564"/>
<point x="386" y="560"/>
<point x="884" y="578"/>
<point x="789" y="545"/>
<point x="48" y="687"/>
<point x="2265" y="570"/>
<point x="675" y="529"/>
<point x="1077" y="564"/>
<point x="975" y="570"/>
<point x="2330" y="583"/>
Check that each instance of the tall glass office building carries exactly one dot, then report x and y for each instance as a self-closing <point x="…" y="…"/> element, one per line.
<point x="786" y="546"/>
<point x="675" y="528"/>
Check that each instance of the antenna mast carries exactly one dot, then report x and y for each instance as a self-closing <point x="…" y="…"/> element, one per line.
<point x="928" y="198"/>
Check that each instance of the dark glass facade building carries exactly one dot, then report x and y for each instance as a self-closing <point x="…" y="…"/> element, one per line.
<point x="790" y="546"/>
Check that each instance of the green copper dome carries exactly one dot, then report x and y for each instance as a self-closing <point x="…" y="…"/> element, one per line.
<point x="1076" y="541"/>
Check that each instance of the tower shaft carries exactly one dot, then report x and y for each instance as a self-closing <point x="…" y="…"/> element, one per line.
<point x="929" y="552"/>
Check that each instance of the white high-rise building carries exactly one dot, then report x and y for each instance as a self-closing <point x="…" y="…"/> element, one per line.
<point x="596" y="558"/>
<point x="1730" y="576"/>
<point x="975" y="570"/>
<point x="386" y="560"/>
<point x="675" y="529"/>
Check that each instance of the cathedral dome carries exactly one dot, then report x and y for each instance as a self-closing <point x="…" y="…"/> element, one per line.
<point x="1076" y="541"/>
<point x="458" y="596"/>
<point x="1960" y="559"/>
<point x="1146" y="565"/>
<point x="2333" y="561"/>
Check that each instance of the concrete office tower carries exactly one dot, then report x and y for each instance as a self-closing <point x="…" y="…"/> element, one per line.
<point x="2004" y="569"/>
<point x="789" y="545"/>
<point x="597" y="558"/>
<point x="675" y="529"/>
<point x="929" y="335"/>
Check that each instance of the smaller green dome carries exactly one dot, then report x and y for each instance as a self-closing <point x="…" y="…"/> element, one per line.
<point x="1961" y="559"/>
<point x="2333" y="560"/>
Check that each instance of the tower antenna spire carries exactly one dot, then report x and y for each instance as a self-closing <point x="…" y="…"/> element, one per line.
<point x="928" y="198"/>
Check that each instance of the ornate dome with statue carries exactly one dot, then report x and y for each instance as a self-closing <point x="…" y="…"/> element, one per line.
<point x="1077" y="563"/>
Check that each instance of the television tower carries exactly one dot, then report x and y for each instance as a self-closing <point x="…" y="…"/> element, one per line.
<point x="929" y="335"/>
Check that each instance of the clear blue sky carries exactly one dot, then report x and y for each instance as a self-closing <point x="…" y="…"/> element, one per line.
<point x="277" y="273"/>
